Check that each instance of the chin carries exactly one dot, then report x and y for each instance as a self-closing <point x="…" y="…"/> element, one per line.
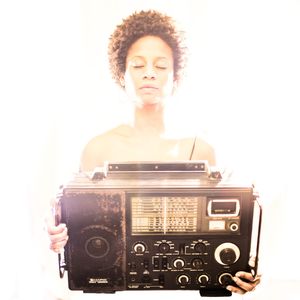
<point x="150" y="99"/>
<point x="153" y="104"/>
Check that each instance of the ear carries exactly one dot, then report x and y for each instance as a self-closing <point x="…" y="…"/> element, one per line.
<point x="122" y="82"/>
<point x="175" y="86"/>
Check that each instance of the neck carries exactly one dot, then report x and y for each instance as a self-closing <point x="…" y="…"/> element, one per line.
<point x="149" y="121"/>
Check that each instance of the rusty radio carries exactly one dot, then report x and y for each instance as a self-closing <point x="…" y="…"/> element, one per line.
<point x="157" y="226"/>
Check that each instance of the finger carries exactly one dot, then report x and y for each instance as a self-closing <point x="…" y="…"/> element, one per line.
<point x="243" y="285"/>
<point x="252" y="261"/>
<point x="58" y="246"/>
<point x="57" y="237"/>
<point x="52" y="229"/>
<point x="248" y="285"/>
<point x="248" y="276"/>
<point x="235" y="289"/>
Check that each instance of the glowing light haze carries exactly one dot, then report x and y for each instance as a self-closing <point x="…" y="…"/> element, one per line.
<point x="241" y="91"/>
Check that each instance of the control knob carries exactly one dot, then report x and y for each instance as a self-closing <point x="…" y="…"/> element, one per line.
<point x="227" y="254"/>
<point x="197" y="263"/>
<point x="183" y="279"/>
<point x="234" y="227"/>
<point x="139" y="248"/>
<point x="164" y="247"/>
<point x="178" y="263"/>
<point x="203" y="279"/>
<point x="225" y="279"/>
<point x="200" y="247"/>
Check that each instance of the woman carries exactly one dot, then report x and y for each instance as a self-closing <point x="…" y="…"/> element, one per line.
<point x="147" y="57"/>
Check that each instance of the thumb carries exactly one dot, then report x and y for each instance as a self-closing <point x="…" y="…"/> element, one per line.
<point x="252" y="261"/>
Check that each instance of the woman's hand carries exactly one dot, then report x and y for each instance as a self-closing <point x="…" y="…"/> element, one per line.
<point x="245" y="283"/>
<point x="58" y="235"/>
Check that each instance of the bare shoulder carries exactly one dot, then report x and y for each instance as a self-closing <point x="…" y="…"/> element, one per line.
<point x="98" y="149"/>
<point x="120" y="144"/>
<point x="203" y="150"/>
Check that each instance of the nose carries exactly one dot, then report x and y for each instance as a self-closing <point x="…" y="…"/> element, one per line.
<point x="149" y="73"/>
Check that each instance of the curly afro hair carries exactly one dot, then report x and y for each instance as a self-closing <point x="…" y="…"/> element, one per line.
<point x="141" y="24"/>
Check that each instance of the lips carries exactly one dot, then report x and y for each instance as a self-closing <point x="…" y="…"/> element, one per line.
<point x="148" y="87"/>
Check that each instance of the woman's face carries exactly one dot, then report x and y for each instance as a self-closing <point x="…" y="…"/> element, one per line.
<point x="149" y="76"/>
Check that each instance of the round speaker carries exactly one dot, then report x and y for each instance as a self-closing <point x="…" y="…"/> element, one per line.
<point x="97" y="247"/>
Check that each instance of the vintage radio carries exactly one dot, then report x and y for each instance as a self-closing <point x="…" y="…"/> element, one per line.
<point x="157" y="226"/>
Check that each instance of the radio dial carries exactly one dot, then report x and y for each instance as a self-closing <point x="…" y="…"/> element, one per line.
<point x="203" y="279"/>
<point x="227" y="254"/>
<point x="178" y="263"/>
<point x="183" y="279"/>
<point x="139" y="248"/>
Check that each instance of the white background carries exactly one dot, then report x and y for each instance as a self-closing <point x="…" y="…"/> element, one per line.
<point x="241" y="91"/>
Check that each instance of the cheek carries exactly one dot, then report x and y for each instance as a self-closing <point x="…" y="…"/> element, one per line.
<point x="169" y="85"/>
<point x="129" y="83"/>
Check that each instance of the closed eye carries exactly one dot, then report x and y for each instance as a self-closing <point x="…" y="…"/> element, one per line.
<point x="161" y="67"/>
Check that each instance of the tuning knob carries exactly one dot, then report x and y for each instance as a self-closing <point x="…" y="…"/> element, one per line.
<point x="183" y="279"/>
<point x="227" y="254"/>
<point x="139" y="248"/>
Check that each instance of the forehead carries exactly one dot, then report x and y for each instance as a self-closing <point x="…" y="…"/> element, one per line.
<point x="150" y="46"/>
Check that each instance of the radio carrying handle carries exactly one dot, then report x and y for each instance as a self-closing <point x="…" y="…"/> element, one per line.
<point x="61" y="265"/>
<point x="255" y="266"/>
<point x="194" y="167"/>
<point x="57" y="216"/>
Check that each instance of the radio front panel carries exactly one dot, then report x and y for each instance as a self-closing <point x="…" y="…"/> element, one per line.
<point x="183" y="241"/>
<point x="156" y="238"/>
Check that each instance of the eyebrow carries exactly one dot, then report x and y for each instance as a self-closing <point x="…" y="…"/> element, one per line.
<point x="143" y="57"/>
